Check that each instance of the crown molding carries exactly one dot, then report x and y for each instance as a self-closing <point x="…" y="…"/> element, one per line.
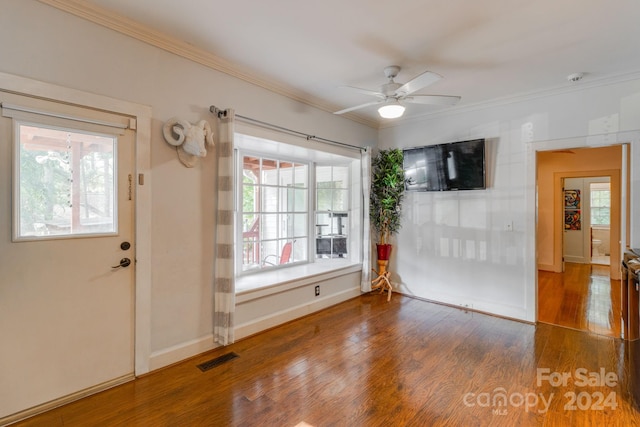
<point x="134" y="29"/>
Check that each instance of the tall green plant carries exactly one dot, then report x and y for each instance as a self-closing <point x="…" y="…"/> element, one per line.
<point x="387" y="191"/>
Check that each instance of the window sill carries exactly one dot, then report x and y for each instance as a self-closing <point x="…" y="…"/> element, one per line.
<point x="283" y="279"/>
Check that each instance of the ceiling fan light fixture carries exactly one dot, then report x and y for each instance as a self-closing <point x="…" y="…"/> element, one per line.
<point x="392" y="110"/>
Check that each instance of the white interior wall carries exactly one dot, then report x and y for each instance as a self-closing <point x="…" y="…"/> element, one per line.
<point x="454" y="247"/>
<point x="477" y="248"/>
<point x="45" y="44"/>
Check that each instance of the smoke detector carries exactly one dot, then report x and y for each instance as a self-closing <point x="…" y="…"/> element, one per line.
<point x="575" y="77"/>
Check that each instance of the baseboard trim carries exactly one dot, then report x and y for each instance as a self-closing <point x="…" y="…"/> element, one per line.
<point x="546" y="267"/>
<point x="275" y="319"/>
<point x="488" y="313"/>
<point x="180" y="352"/>
<point x="177" y="353"/>
<point x="27" y="413"/>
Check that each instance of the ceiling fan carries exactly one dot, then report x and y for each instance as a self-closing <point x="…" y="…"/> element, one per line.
<point x="393" y="94"/>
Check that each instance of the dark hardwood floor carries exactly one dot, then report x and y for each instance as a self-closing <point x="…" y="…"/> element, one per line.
<point x="369" y="362"/>
<point x="583" y="297"/>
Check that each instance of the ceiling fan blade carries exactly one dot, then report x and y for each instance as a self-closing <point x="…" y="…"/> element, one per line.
<point x="365" y="91"/>
<point x="432" y="99"/>
<point x="357" y="107"/>
<point x="423" y="80"/>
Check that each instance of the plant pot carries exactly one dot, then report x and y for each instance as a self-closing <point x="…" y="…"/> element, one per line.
<point x="384" y="252"/>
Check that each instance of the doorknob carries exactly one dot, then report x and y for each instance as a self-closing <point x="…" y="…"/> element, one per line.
<point x="124" y="262"/>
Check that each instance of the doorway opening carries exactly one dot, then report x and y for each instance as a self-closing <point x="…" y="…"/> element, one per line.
<point x="586" y="217"/>
<point x="579" y="216"/>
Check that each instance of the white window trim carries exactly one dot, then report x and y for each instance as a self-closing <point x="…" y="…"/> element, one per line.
<point x="350" y="203"/>
<point x="240" y="153"/>
<point x="272" y="280"/>
<point x="67" y="125"/>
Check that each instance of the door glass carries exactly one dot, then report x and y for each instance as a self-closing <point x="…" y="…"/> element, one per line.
<point x="65" y="184"/>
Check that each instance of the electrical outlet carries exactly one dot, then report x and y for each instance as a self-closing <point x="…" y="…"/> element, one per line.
<point x="317" y="290"/>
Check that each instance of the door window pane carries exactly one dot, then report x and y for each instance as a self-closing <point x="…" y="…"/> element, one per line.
<point x="65" y="182"/>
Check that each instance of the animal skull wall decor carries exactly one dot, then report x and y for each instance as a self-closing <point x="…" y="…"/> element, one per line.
<point x="189" y="139"/>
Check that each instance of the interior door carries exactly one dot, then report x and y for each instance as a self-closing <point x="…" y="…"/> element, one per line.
<point x="598" y="193"/>
<point x="575" y="222"/>
<point x="66" y="253"/>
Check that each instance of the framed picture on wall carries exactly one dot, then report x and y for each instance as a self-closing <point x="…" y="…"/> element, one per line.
<point x="572" y="220"/>
<point x="571" y="199"/>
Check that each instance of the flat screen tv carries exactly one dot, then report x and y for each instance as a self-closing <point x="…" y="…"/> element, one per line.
<point x="446" y="167"/>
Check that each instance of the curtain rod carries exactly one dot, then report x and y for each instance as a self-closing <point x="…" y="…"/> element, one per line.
<point x="223" y="113"/>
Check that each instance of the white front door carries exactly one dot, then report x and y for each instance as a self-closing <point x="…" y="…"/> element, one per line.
<point x="66" y="219"/>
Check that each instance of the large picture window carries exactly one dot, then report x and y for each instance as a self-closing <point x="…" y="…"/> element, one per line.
<point x="294" y="207"/>
<point x="275" y="215"/>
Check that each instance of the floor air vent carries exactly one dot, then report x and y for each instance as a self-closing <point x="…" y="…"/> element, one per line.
<point x="217" y="361"/>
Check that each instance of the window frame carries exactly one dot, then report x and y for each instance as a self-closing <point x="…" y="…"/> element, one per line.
<point x="595" y="208"/>
<point x="272" y="145"/>
<point x="330" y="212"/>
<point x="240" y="153"/>
<point x="64" y="126"/>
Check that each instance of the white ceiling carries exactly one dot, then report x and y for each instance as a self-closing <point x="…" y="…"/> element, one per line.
<point x="485" y="49"/>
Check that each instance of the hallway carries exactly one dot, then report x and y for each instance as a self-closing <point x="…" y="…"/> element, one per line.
<point x="583" y="297"/>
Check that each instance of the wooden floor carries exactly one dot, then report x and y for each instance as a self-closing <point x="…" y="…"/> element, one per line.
<point x="583" y="297"/>
<point x="369" y="362"/>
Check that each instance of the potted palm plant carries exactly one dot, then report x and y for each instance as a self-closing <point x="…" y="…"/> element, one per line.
<point x="387" y="192"/>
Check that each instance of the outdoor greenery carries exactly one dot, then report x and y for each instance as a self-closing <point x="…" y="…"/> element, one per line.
<point x="42" y="188"/>
<point x="387" y="192"/>
<point x="248" y="198"/>
<point x="46" y="188"/>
